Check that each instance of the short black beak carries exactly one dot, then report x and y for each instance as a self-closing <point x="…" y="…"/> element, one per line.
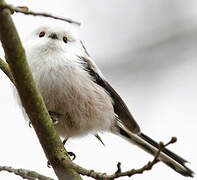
<point x="53" y="36"/>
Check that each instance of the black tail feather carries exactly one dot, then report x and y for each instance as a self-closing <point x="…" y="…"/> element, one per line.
<point x="166" y="151"/>
<point x="171" y="154"/>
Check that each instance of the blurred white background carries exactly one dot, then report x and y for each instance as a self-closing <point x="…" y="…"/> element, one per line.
<point x="147" y="50"/>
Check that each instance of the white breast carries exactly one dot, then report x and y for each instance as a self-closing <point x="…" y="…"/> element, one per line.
<point x="68" y="90"/>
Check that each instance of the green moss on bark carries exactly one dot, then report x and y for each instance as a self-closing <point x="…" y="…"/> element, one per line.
<point x="31" y="98"/>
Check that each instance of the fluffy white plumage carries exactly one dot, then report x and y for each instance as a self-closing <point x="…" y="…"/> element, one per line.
<point x="67" y="89"/>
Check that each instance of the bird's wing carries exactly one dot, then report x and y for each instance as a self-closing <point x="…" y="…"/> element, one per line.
<point x="121" y="110"/>
<point x="120" y="107"/>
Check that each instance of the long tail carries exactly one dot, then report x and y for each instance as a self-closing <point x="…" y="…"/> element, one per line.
<point x="172" y="160"/>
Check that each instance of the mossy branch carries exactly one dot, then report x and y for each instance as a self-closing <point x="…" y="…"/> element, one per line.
<point x="31" y="98"/>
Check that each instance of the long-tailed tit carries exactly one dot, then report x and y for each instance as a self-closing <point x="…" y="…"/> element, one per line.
<point x="78" y="96"/>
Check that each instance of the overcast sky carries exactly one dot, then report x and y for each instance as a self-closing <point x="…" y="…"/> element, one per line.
<point x="147" y="50"/>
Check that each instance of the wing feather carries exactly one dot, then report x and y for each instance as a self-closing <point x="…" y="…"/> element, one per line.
<point x="120" y="107"/>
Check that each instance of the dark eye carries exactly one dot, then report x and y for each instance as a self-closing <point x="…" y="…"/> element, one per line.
<point x="65" y="39"/>
<point x="42" y="34"/>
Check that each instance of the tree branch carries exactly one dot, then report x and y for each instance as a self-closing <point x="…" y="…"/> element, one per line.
<point x="25" y="10"/>
<point x="5" y="68"/>
<point x="25" y="174"/>
<point x="118" y="173"/>
<point x="31" y="98"/>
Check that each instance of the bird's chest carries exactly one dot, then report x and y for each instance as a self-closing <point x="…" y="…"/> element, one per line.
<point x="60" y="82"/>
<point x="68" y="90"/>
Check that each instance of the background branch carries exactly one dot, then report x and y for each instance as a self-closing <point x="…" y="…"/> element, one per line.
<point x="25" y="174"/>
<point x="25" y="10"/>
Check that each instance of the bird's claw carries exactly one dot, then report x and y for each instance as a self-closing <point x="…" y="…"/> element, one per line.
<point x="30" y="124"/>
<point x="54" y="117"/>
<point x="48" y="164"/>
<point x="55" y="120"/>
<point x="72" y="154"/>
<point x="69" y="153"/>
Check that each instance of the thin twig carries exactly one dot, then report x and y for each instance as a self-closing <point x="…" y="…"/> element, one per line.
<point x="25" y="10"/>
<point x="25" y="174"/>
<point x="118" y="173"/>
<point x="5" y="68"/>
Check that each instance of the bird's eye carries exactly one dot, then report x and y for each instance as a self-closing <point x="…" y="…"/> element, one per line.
<point x="42" y="34"/>
<point x="65" y="39"/>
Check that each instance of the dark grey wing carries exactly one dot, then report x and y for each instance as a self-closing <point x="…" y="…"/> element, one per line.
<point x="122" y="111"/>
<point x="120" y="107"/>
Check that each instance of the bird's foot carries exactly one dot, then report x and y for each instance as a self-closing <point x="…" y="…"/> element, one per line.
<point x="64" y="141"/>
<point x="55" y="120"/>
<point x="54" y="117"/>
<point x="71" y="154"/>
<point x="30" y="124"/>
<point x="48" y="164"/>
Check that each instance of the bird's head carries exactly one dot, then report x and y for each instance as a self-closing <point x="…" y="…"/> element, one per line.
<point x="55" y="37"/>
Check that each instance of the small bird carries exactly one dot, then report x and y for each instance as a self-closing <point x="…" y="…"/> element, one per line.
<point x="77" y="95"/>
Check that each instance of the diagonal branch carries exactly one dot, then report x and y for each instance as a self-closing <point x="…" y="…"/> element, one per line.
<point x="31" y="98"/>
<point x="24" y="10"/>
<point x="25" y="174"/>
